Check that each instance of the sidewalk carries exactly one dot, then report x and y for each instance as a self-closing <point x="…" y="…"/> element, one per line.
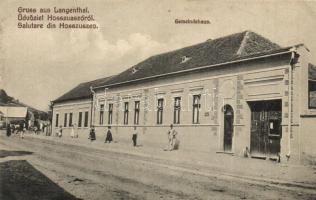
<point x="223" y="165"/>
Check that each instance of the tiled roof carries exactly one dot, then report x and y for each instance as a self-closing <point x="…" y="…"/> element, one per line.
<point x="81" y="91"/>
<point x="225" y="49"/>
<point x="229" y="48"/>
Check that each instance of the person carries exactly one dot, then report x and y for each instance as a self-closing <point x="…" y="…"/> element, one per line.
<point x="72" y="132"/>
<point x="8" y="129"/>
<point x="134" y="137"/>
<point x="108" y="137"/>
<point x="35" y="130"/>
<point x="171" y="138"/>
<point x="246" y="152"/>
<point x="92" y="134"/>
<point x="60" y="131"/>
<point x="75" y="132"/>
<point x="13" y="128"/>
<point x="22" y="129"/>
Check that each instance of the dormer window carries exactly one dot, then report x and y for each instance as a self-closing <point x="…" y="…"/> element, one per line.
<point x="134" y="70"/>
<point x="185" y="59"/>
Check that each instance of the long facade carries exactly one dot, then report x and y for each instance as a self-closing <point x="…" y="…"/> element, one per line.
<point x="264" y="103"/>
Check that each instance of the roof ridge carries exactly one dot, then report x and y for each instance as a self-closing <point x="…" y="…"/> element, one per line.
<point x="186" y="47"/>
<point x="243" y="43"/>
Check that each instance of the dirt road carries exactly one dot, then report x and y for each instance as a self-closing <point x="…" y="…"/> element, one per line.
<point x="89" y="173"/>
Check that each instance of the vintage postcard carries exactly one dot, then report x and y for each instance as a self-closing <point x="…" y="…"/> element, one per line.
<point x="144" y="99"/>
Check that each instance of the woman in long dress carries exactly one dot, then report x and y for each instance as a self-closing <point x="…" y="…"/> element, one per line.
<point x="92" y="136"/>
<point x="109" y="137"/>
<point x="72" y="132"/>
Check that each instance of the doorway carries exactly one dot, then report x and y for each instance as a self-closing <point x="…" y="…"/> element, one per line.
<point x="266" y="129"/>
<point x="228" y="127"/>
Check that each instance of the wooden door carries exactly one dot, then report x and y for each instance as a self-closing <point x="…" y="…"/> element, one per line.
<point x="266" y="131"/>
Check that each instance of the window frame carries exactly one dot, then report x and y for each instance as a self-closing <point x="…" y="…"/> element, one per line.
<point x="110" y="114"/>
<point x="70" y="120"/>
<point x="57" y="120"/>
<point x="126" y="111"/>
<point x="177" y="110"/>
<point x="86" y="119"/>
<point x="136" y="112"/>
<point x="196" y="109"/>
<point x="309" y="94"/>
<point x="80" y="119"/>
<point x="160" y="104"/>
<point x="65" y="119"/>
<point x="101" y="114"/>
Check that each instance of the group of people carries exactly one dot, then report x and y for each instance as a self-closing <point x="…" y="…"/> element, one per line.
<point x="173" y="142"/>
<point x="109" y="137"/>
<point x="73" y="133"/>
<point x="16" y="129"/>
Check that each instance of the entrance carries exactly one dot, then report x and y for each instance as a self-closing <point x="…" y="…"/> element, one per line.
<point x="228" y="127"/>
<point x="266" y="130"/>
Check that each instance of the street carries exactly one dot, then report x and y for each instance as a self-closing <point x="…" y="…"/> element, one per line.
<point x="89" y="173"/>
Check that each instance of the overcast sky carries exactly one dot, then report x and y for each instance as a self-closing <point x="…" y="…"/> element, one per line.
<point x="37" y="66"/>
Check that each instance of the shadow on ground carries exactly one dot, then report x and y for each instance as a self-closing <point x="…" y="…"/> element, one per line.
<point x="20" y="180"/>
<point x="5" y="153"/>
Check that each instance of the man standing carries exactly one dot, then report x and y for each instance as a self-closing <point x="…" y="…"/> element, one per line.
<point x="134" y="137"/>
<point x="8" y="129"/>
<point x="22" y="129"/>
<point x="172" y="137"/>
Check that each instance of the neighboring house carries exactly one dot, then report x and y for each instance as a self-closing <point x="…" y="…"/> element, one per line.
<point x="12" y="113"/>
<point x="15" y="111"/>
<point x="74" y="109"/>
<point x="223" y="95"/>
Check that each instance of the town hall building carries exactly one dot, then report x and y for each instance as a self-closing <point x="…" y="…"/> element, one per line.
<point x="225" y="95"/>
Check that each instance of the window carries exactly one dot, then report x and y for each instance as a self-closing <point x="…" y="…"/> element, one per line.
<point x="70" y="119"/>
<point x="126" y="113"/>
<point x="57" y="118"/>
<point x="196" y="108"/>
<point x="101" y="114"/>
<point x="177" y="108"/>
<point x="80" y="119"/>
<point x="65" y="120"/>
<point x="136" y="112"/>
<point x="159" y="111"/>
<point x="110" y="113"/>
<point x="86" y="117"/>
<point x="311" y="86"/>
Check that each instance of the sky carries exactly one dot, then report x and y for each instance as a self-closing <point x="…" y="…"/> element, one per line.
<point x="39" y="65"/>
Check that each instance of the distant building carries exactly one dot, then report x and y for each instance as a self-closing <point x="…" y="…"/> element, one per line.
<point x="14" y="111"/>
<point x="222" y="95"/>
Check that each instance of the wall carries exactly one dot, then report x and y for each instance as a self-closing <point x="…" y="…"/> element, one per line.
<point x="234" y="85"/>
<point x="72" y="107"/>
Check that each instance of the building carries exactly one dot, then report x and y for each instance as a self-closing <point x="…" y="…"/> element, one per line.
<point x="73" y="109"/>
<point x="14" y="111"/>
<point x="222" y="95"/>
<point x="11" y="109"/>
